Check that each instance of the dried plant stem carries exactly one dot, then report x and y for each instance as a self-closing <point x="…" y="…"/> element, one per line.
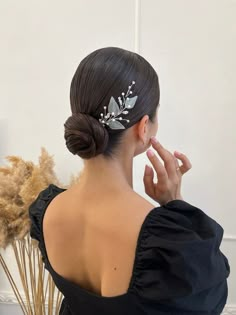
<point x="40" y="287"/>
<point x="13" y="285"/>
<point x="46" y="289"/>
<point x="49" y="297"/>
<point x="33" y="280"/>
<point x="58" y="301"/>
<point x="37" y="292"/>
<point x="23" y="263"/>
<point x="22" y="276"/>
<point x="51" y="300"/>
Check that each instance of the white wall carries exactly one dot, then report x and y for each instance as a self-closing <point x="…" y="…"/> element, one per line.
<point x="191" y="44"/>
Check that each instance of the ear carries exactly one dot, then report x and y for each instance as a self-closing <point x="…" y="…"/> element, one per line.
<point x="142" y="128"/>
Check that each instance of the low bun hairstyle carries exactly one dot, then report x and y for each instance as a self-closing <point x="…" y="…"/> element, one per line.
<point x="104" y="73"/>
<point x="85" y="136"/>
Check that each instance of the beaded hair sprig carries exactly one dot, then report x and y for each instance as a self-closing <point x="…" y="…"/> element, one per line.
<point x="110" y="118"/>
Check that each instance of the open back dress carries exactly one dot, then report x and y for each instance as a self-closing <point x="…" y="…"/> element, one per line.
<point x="178" y="269"/>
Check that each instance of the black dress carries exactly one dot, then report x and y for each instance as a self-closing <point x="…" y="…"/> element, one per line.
<point x="178" y="268"/>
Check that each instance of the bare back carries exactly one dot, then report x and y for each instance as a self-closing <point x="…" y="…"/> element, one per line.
<point x="92" y="241"/>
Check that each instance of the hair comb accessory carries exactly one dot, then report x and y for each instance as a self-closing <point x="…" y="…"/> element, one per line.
<point x="115" y="109"/>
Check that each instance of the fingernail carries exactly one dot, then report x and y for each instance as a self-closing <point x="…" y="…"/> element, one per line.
<point x="177" y="152"/>
<point x="154" y="139"/>
<point x="150" y="153"/>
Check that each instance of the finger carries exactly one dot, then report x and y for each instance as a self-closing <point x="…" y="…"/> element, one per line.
<point x="177" y="166"/>
<point x="167" y="157"/>
<point x="160" y="170"/>
<point x="186" y="163"/>
<point x="148" y="180"/>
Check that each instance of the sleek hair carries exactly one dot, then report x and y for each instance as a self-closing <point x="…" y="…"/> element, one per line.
<point x="104" y="73"/>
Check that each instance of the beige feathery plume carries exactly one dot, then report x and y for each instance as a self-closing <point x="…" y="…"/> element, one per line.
<point x="20" y="184"/>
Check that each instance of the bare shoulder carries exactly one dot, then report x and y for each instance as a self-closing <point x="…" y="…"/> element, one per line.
<point x="70" y="205"/>
<point x="102" y="238"/>
<point x="141" y="203"/>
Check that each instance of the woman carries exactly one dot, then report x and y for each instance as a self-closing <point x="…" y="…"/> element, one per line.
<point x="108" y="249"/>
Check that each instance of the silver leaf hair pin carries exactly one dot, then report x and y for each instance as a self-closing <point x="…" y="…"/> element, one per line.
<point x="124" y="103"/>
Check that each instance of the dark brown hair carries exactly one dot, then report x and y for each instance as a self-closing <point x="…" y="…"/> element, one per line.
<point x="104" y="73"/>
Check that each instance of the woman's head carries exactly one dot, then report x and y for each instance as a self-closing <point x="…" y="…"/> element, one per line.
<point x="106" y="73"/>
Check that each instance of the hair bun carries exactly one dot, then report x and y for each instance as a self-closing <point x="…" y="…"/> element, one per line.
<point x="85" y="135"/>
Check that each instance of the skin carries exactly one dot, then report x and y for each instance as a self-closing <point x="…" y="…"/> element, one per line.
<point x="89" y="217"/>
<point x="137" y="140"/>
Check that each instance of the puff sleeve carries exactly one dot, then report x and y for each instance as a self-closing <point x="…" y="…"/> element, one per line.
<point x="36" y="214"/>
<point x="180" y="267"/>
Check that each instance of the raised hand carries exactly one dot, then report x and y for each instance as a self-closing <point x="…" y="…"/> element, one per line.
<point x="169" y="175"/>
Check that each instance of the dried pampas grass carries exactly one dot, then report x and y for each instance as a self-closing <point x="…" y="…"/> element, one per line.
<point x="20" y="184"/>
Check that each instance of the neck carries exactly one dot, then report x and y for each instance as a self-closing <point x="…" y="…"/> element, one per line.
<point x="116" y="173"/>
